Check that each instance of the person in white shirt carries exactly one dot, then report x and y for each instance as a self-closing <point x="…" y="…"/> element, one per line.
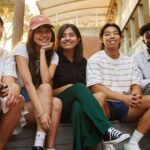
<point x="11" y="103"/>
<point x="116" y="75"/>
<point x="36" y="63"/>
<point x="142" y="58"/>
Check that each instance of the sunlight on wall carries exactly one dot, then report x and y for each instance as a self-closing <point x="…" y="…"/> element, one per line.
<point x="33" y="7"/>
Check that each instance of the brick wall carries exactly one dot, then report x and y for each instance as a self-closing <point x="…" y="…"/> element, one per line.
<point x="91" y="45"/>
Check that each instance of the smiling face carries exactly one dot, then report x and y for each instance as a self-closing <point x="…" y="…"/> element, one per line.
<point x="111" y="38"/>
<point x="69" y="39"/>
<point x="42" y="35"/>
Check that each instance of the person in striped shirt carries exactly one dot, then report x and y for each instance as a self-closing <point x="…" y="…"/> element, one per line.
<point x="111" y="72"/>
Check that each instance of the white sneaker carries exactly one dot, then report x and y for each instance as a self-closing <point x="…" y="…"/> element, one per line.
<point x="131" y="146"/>
<point x="108" y="146"/>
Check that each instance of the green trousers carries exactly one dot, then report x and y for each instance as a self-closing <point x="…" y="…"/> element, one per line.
<point x="88" y="120"/>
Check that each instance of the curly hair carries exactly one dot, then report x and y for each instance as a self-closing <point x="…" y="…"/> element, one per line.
<point x="144" y="28"/>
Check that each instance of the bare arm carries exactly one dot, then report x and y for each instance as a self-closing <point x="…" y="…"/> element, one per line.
<point x="61" y="89"/>
<point x="44" y="69"/>
<point x="12" y="91"/>
<point x="26" y="77"/>
<point x="47" y="72"/>
<point x="137" y="95"/>
<point x="130" y="99"/>
<point x="136" y="89"/>
<point x="127" y="99"/>
<point x="110" y="94"/>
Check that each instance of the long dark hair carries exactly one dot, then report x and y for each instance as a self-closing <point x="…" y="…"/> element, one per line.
<point x="78" y="53"/>
<point x="144" y="28"/>
<point x="33" y="59"/>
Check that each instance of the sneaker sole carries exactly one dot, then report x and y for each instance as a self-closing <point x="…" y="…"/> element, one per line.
<point x="119" y="140"/>
<point x="127" y="147"/>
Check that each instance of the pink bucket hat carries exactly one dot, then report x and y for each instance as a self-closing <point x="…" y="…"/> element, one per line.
<point x="38" y="21"/>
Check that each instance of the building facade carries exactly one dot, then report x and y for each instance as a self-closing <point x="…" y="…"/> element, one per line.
<point x="130" y="15"/>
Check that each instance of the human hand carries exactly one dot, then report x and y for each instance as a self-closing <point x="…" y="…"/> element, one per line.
<point x="136" y="93"/>
<point x="47" y="47"/>
<point x="13" y="94"/>
<point x="3" y="90"/>
<point x="132" y="100"/>
<point x="45" y="121"/>
<point x="136" y="100"/>
<point x="126" y="99"/>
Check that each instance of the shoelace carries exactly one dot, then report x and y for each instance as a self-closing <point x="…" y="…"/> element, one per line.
<point x="114" y="132"/>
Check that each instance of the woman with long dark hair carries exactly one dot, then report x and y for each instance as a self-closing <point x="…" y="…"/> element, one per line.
<point x="79" y="105"/>
<point x="36" y="62"/>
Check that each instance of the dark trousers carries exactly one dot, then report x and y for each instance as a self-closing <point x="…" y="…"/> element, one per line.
<point x="88" y="120"/>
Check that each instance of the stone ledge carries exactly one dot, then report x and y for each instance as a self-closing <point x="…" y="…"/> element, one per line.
<point x="25" y="140"/>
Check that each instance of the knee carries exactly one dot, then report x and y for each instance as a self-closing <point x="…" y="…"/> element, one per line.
<point x="57" y="105"/>
<point x="100" y="95"/>
<point x="19" y="105"/>
<point x="45" y="87"/>
<point x="101" y="98"/>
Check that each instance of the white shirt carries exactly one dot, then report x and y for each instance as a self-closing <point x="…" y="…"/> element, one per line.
<point x="7" y="64"/>
<point x="7" y="68"/>
<point x="21" y="50"/>
<point x="115" y="74"/>
<point x="142" y="58"/>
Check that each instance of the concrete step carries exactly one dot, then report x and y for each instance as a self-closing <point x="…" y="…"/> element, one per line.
<point x="25" y="140"/>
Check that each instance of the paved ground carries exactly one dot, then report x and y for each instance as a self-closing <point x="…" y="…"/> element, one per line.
<point x="24" y="141"/>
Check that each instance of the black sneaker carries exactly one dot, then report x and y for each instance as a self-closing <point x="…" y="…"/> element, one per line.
<point x="37" y="148"/>
<point x="114" y="136"/>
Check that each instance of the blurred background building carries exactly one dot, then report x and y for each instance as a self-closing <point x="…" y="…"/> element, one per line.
<point x="90" y="15"/>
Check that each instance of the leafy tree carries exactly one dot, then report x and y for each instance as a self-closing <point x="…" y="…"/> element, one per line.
<point x="7" y="13"/>
<point x="18" y="21"/>
<point x="6" y="7"/>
